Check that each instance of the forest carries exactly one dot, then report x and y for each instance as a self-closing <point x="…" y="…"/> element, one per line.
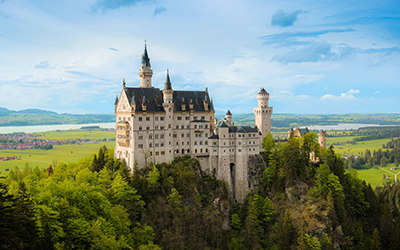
<point x="97" y="203"/>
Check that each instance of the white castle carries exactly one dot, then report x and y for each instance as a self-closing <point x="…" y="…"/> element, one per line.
<point x="156" y="126"/>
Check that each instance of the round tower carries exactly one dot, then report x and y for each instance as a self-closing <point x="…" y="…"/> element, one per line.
<point x="263" y="113"/>
<point x="145" y="71"/>
<point x="322" y="138"/>
<point x="262" y="98"/>
<point x="228" y="118"/>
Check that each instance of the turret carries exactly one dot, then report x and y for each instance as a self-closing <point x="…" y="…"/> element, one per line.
<point x="228" y="118"/>
<point x="262" y="98"/>
<point x="145" y="71"/>
<point x="263" y="113"/>
<point x="168" y="93"/>
<point x="322" y="138"/>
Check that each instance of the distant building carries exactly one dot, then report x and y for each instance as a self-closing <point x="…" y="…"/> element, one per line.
<point x="156" y="126"/>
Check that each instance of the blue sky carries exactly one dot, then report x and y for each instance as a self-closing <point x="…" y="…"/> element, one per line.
<point x="311" y="56"/>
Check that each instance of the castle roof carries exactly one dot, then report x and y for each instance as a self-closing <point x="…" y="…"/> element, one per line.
<point x="145" y="57"/>
<point x="154" y="99"/>
<point x="228" y="113"/>
<point x="167" y="85"/>
<point x="242" y="129"/>
<point x="262" y="91"/>
<point x="221" y="124"/>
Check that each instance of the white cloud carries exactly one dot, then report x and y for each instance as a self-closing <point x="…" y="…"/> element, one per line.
<point x="376" y="92"/>
<point x="353" y="91"/>
<point x="344" y="96"/>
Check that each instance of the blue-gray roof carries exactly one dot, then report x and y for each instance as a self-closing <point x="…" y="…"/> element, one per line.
<point x="242" y="129"/>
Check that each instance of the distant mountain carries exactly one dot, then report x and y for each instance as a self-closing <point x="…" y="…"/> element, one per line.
<point x="44" y="117"/>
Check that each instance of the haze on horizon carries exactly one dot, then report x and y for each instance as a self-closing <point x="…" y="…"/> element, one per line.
<point x="311" y="56"/>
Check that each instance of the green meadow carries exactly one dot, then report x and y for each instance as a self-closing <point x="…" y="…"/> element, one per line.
<point x="358" y="148"/>
<point x="77" y="134"/>
<point x="59" y="153"/>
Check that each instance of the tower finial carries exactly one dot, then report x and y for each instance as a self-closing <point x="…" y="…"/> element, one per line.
<point x="123" y="82"/>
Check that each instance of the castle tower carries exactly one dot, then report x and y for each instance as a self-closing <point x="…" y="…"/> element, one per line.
<point x="263" y="113"/>
<point x="322" y="138"/>
<point x="168" y="105"/>
<point x="228" y="118"/>
<point x="145" y="71"/>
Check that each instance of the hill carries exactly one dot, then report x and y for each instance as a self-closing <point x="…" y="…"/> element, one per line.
<point x="44" y="117"/>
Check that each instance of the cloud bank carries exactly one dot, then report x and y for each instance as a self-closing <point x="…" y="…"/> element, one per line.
<point x="283" y="19"/>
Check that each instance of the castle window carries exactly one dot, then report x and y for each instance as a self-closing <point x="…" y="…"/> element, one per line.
<point x="162" y="136"/>
<point x="203" y="117"/>
<point x="194" y="117"/>
<point x="124" y="118"/>
<point x="140" y="146"/>
<point x="177" y="143"/>
<point x="156" y="136"/>
<point x="150" y="136"/>
<point x="156" y="118"/>
<point x="119" y="118"/>
<point x="179" y="118"/>
<point x="140" y="128"/>
<point x="161" y="127"/>
<point x="182" y="135"/>
<point x="239" y="150"/>
<point x="201" y="150"/>
<point x="169" y="144"/>
<point x="206" y="142"/>
<point x="182" y="127"/>
<point x="183" y="143"/>
<point x="188" y="126"/>
<point x="162" y="144"/>
<point x="147" y="128"/>
<point x="140" y="119"/>
<point x="187" y="143"/>
<point x="249" y="149"/>
<point x="162" y="152"/>
<point x="188" y="151"/>
<point x="177" y="127"/>
<point x="156" y="145"/>
<point x="239" y="143"/>
<point x="161" y="118"/>
<point x="206" y="135"/>
<point x="254" y="142"/>
<point x="155" y="127"/>
<point x="195" y="126"/>
<point x="148" y="118"/>
<point x="151" y="152"/>
<point x="214" y="143"/>
<point x="201" y="142"/>
<point x="187" y="118"/>
<point x="169" y="125"/>
<point x="195" y="143"/>
<point x="200" y="126"/>
<point x="195" y="150"/>
<point x="140" y="137"/>
<point x="157" y="153"/>
<point x="206" y="126"/>
<point x="174" y="136"/>
<point x="187" y="135"/>
<point x="206" y="150"/>
<point x="240" y="135"/>
<point x="150" y="145"/>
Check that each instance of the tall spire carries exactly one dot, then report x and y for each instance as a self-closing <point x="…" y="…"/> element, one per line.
<point x="167" y="85"/>
<point x="145" y="57"/>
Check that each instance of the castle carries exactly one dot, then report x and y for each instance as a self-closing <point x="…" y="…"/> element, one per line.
<point x="156" y="126"/>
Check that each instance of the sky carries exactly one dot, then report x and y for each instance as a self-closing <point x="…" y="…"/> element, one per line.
<point x="313" y="57"/>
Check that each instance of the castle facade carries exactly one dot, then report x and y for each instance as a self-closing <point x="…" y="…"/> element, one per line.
<point x="154" y="125"/>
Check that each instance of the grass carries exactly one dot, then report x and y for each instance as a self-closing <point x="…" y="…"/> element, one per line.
<point x="374" y="176"/>
<point x="77" y="134"/>
<point x="358" y="148"/>
<point x="43" y="158"/>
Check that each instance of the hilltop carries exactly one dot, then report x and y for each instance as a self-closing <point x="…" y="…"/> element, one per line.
<point x="28" y="117"/>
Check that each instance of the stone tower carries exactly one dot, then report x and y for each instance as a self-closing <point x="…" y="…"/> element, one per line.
<point x="228" y="118"/>
<point x="322" y="138"/>
<point x="145" y="71"/>
<point x="263" y="113"/>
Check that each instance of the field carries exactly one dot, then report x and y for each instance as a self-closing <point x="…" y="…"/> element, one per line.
<point x="77" y="134"/>
<point x="374" y="176"/>
<point x="358" y="148"/>
<point x="59" y="153"/>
